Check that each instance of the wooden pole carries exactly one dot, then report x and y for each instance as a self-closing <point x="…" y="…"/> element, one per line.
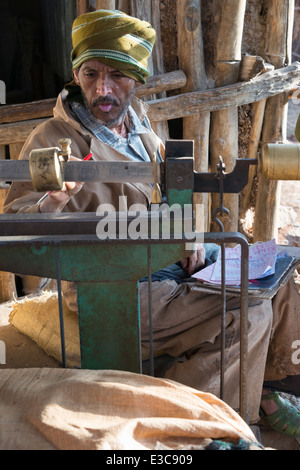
<point x="105" y="5"/>
<point x="278" y="45"/>
<point x="258" y="110"/>
<point x="250" y="67"/>
<point x="7" y="280"/>
<point x="123" y="5"/>
<point x="191" y="62"/>
<point x="150" y="11"/>
<point x="224" y="124"/>
<point x="82" y="6"/>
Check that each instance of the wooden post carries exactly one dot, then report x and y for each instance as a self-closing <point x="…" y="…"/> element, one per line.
<point x="157" y="58"/>
<point x="224" y="124"/>
<point x="258" y="110"/>
<point x="15" y="150"/>
<point x="7" y="280"/>
<point x="105" y="5"/>
<point x="250" y="67"/>
<point x="150" y="11"/>
<point x="82" y="6"/>
<point x="278" y="45"/>
<point x="191" y="62"/>
<point x="122" y="5"/>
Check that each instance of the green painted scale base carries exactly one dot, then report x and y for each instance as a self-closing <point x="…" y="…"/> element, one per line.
<point x="106" y="275"/>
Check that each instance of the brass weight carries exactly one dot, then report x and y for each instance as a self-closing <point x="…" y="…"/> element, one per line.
<point x="45" y="166"/>
<point x="280" y="162"/>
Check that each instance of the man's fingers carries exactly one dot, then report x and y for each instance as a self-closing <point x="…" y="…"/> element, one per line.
<point x="184" y="263"/>
<point x="195" y="261"/>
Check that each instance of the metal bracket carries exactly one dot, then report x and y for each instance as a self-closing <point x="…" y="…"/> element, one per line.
<point x="232" y="182"/>
<point x="179" y="172"/>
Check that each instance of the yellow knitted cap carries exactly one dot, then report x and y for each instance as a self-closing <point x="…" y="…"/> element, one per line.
<point x="114" y="38"/>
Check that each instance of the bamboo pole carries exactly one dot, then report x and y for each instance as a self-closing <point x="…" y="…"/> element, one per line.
<point x="224" y="124"/>
<point x="278" y="46"/>
<point x="191" y="61"/>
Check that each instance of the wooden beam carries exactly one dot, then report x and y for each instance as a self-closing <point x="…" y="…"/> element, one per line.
<point x="18" y="131"/>
<point x="44" y="108"/>
<point x="188" y="104"/>
<point x="268" y="85"/>
<point x="25" y="111"/>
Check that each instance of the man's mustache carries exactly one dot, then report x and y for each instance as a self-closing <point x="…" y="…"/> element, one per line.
<point x="105" y="101"/>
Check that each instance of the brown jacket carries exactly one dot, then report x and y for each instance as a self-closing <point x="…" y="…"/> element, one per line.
<point x="22" y="198"/>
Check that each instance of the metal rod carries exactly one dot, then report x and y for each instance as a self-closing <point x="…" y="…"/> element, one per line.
<point x="223" y="322"/>
<point x="241" y="240"/>
<point x="108" y="172"/>
<point x="60" y="305"/>
<point x="150" y="310"/>
<point x="244" y="330"/>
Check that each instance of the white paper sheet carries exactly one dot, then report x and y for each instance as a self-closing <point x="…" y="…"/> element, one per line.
<point x="262" y="260"/>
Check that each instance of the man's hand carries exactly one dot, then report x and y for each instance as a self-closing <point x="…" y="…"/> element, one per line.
<point x="195" y="261"/>
<point x="57" y="200"/>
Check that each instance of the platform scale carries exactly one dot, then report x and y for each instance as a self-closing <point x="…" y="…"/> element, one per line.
<point x="106" y="272"/>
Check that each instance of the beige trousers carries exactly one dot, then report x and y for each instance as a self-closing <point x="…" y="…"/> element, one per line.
<point x="187" y="326"/>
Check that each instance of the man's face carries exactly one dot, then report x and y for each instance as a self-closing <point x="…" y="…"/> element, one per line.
<point x="107" y="92"/>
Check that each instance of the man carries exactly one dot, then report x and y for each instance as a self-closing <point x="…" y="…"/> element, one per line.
<point x="99" y="113"/>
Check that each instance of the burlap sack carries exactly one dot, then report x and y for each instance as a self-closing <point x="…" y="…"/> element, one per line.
<point x="75" y="409"/>
<point x="38" y="318"/>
